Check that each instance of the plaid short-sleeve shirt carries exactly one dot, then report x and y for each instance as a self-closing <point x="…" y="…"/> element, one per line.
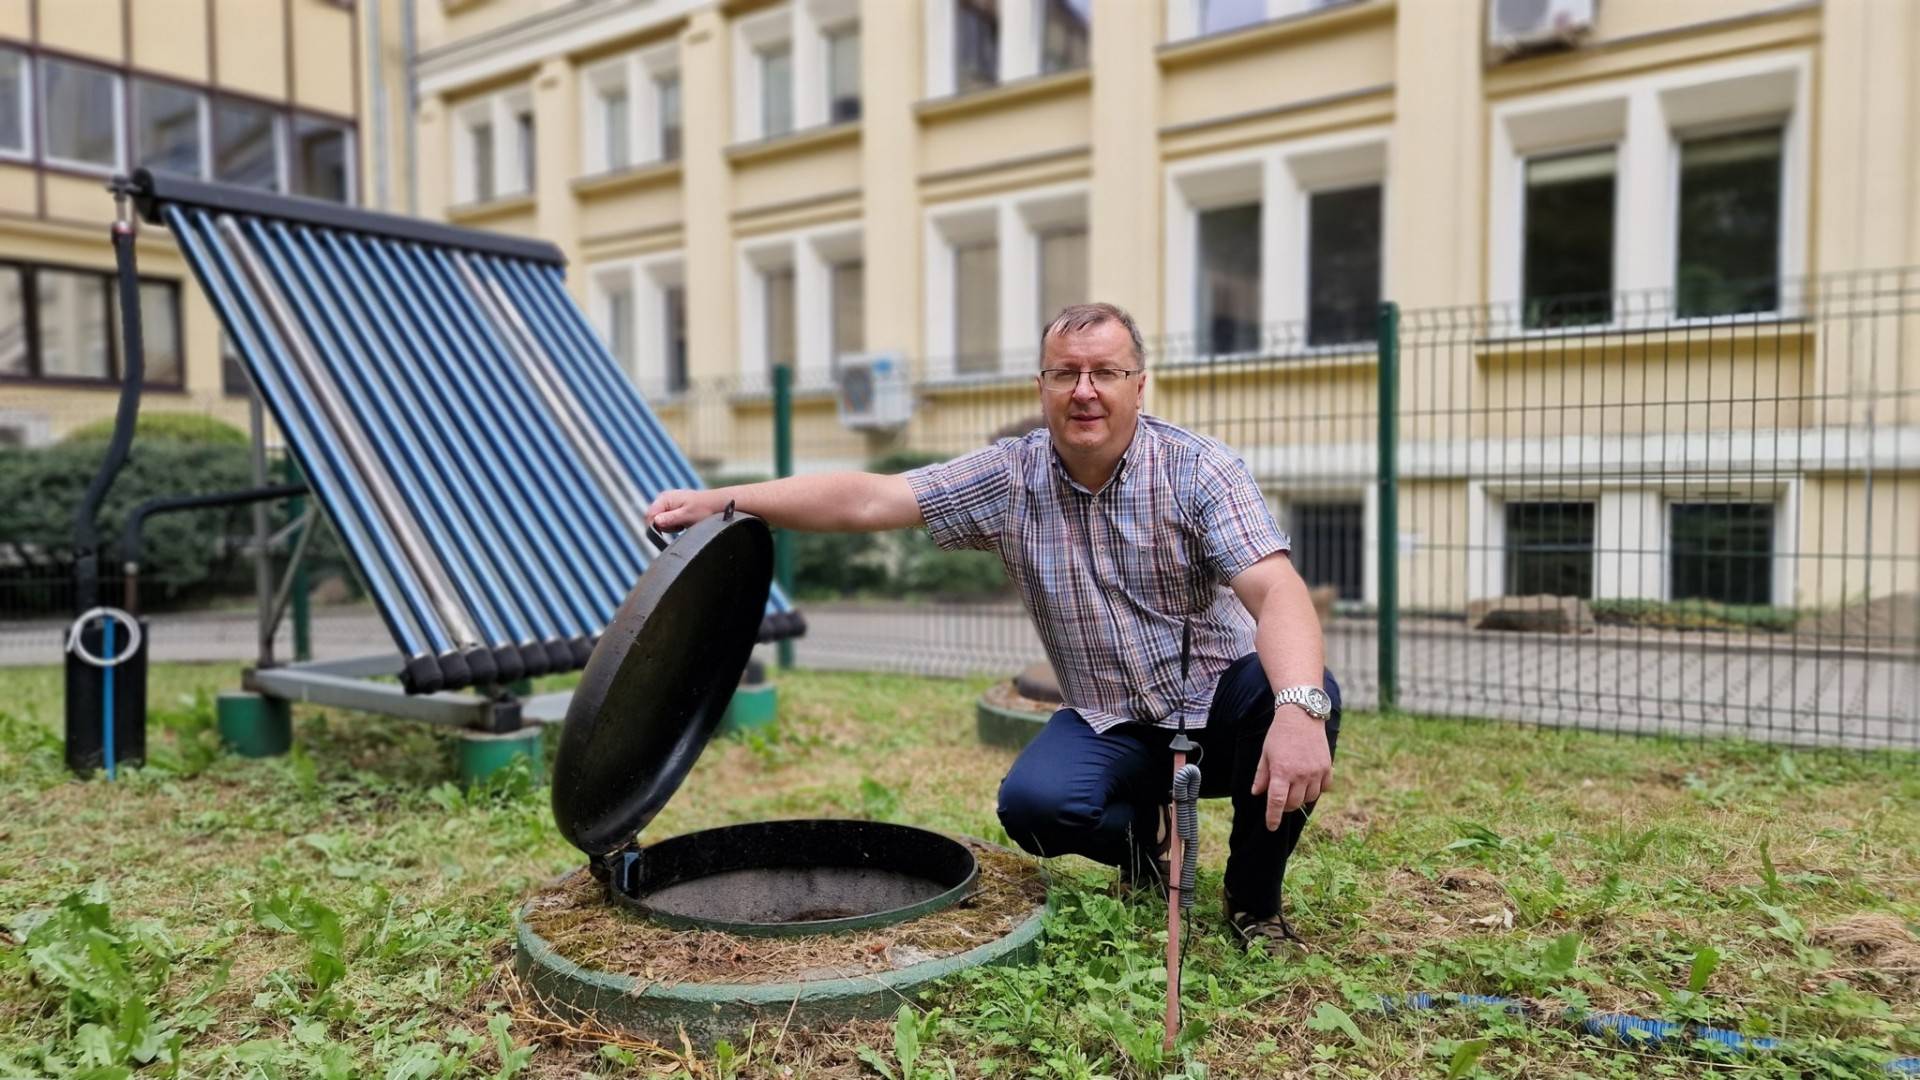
<point x="1109" y="576"/>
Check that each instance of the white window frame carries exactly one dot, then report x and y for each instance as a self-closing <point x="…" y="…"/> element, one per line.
<point x="646" y="279"/>
<point x="811" y="254"/>
<point x="1183" y="16"/>
<point x="119" y="118"/>
<point x="350" y="156"/>
<point x="29" y="91"/>
<point x="1646" y="119"/>
<point x="751" y="37"/>
<point x="1014" y="221"/>
<point x="1021" y="23"/>
<point x="509" y="167"/>
<point x="1282" y="178"/>
<point x="638" y="73"/>
<point x="282" y="152"/>
<point x="650" y="67"/>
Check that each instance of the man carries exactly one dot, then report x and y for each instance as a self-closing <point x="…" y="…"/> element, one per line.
<point x="1120" y="530"/>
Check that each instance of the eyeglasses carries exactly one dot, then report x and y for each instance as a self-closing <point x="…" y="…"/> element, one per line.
<point x="1063" y="379"/>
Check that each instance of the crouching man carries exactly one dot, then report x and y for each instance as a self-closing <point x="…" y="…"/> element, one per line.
<point x="1120" y="531"/>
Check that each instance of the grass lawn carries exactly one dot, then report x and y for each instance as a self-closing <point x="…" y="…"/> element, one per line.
<point x="345" y="911"/>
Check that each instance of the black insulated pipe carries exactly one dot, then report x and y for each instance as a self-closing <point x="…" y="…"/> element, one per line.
<point x="422" y="675"/>
<point x="86" y="531"/>
<point x="132" y="539"/>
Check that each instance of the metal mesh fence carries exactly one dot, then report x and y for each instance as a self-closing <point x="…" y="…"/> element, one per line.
<point x="1616" y="513"/>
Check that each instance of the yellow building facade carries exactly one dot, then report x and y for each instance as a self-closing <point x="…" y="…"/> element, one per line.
<point x="739" y="184"/>
<point x="276" y="94"/>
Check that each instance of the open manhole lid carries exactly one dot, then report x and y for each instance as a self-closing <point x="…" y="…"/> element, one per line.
<point x="659" y="681"/>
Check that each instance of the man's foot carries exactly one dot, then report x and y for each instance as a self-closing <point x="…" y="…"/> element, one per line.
<point x="1272" y="930"/>
<point x="1149" y="865"/>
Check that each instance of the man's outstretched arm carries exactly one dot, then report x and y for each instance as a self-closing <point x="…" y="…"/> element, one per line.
<point x="820" y="502"/>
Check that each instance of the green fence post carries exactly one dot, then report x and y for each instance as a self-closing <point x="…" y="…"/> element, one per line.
<point x="783" y="466"/>
<point x="1389" y="515"/>
<point x="297" y="603"/>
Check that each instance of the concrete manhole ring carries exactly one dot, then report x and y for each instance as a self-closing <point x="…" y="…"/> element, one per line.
<point x="659" y="1008"/>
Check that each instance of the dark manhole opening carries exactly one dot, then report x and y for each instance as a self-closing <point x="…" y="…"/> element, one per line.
<point x="781" y="878"/>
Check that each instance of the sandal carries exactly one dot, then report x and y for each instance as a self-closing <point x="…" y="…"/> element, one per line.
<point x="1272" y="930"/>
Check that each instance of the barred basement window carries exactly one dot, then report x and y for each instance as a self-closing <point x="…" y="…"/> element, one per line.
<point x="1328" y="545"/>
<point x="1550" y="548"/>
<point x="1722" y="551"/>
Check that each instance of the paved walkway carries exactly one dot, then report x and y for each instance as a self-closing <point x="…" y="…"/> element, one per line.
<point x="1677" y="684"/>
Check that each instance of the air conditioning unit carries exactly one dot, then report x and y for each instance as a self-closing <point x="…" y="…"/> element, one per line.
<point x="874" y="391"/>
<point x="1518" y="26"/>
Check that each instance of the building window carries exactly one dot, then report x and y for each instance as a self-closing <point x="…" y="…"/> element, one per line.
<point x="1328" y="545"/>
<point x="1063" y="34"/>
<point x="673" y="319"/>
<point x="843" y="75"/>
<point x="776" y="91"/>
<point x="524" y="146"/>
<point x="976" y="40"/>
<point x="480" y="137"/>
<point x="619" y="300"/>
<point x="167" y="124"/>
<point x="849" y="310"/>
<point x="1567" y="257"/>
<point x="1063" y="269"/>
<point x="1227" y="307"/>
<point x="1549" y="548"/>
<point x="322" y="162"/>
<point x="1722" y="552"/>
<point x="72" y="320"/>
<point x="615" y="128"/>
<point x="976" y="283"/>
<point x="159" y="332"/>
<point x="783" y="338"/>
<point x="57" y="323"/>
<point x="667" y="87"/>
<point x="234" y="380"/>
<point x="14" y="97"/>
<point x="246" y="144"/>
<point x="81" y="114"/>
<point x="1729" y="224"/>
<point x="1220" y="16"/>
<point x="14" y="357"/>
<point x="1343" y="265"/>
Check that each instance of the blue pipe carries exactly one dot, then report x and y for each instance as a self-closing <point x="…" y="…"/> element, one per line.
<point x="327" y="486"/>
<point x="1621" y="1027"/>
<point x="106" y="698"/>
<point x="390" y="440"/>
<point x="480" y="505"/>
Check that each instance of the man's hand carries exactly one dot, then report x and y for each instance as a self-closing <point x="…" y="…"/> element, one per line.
<point x="1295" y="765"/>
<point x="675" y="510"/>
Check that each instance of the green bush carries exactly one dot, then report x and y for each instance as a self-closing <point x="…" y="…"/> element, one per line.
<point x="181" y="427"/>
<point x="192" y="553"/>
<point x="1694" y="615"/>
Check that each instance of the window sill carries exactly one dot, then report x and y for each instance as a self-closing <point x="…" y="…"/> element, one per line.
<point x="1757" y="327"/>
<point x="802" y="395"/>
<point x="476" y="212"/>
<point x="646" y="174"/>
<point x="1357" y="354"/>
<point x="1283" y="30"/>
<point x="794" y="142"/>
<point x="86" y="382"/>
<point x="1019" y="91"/>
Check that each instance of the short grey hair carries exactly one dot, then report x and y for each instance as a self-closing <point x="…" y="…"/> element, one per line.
<point x="1077" y="317"/>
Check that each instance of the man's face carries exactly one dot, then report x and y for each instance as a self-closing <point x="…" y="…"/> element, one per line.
<point x="1093" y="419"/>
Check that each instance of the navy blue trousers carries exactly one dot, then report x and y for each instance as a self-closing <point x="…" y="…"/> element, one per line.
<point x="1075" y="791"/>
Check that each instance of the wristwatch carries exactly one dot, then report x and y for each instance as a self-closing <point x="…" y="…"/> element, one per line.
<point x="1311" y="698"/>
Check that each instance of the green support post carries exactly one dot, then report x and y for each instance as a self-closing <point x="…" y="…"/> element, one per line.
<point x="297" y="601"/>
<point x="783" y="466"/>
<point x="1389" y="487"/>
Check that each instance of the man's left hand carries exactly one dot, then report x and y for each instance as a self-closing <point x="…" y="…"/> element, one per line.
<point x="1295" y="764"/>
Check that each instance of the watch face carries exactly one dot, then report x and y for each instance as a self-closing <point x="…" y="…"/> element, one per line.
<point x="1318" y="702"/>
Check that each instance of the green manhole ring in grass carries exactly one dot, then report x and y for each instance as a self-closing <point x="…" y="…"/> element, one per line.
<point x="709" y="1012"/>
<point x="997" y="725"/>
